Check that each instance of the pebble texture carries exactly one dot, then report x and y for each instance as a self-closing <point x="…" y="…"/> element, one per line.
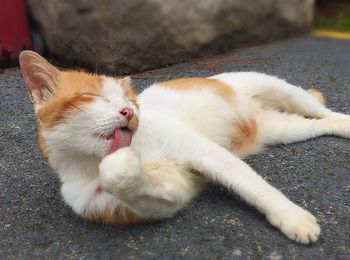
<point x="36" y="224"/>
<point x="126" y="36"/>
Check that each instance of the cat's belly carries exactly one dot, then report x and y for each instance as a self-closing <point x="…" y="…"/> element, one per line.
<point x="231" y="124"/>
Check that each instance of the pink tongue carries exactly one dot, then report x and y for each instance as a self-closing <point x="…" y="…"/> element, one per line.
<point x="122" y="138"/>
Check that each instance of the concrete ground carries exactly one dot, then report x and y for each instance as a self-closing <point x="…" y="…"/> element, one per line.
<point x="36" y="224"/>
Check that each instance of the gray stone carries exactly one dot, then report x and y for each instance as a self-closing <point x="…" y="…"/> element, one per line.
<point x="125" y="36"/>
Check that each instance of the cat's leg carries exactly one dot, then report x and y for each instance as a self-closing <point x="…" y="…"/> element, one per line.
<point x="275" y="93"/>
<point x="275" y="127"/>
<point x="221" y="166"/>
<point x="153" y="190"/>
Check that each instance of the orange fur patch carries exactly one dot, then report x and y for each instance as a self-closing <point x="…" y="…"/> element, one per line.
<point x="121" y="215"/>
<point x="318" y="95"/>
<point x="73" y="90"/>
<point x="41" y="143"/>
<point x="221" y="89"/>
<point x="58" y="109"/>
<point x="73" y="83"/>
<point x="245" y="137"/>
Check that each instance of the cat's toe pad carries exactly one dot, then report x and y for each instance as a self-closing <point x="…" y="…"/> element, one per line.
<point x="297" y="224"/>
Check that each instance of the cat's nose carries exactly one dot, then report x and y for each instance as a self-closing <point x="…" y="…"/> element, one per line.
<point x="127" y="112"/>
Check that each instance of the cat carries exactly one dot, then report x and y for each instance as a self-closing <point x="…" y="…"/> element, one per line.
<point x="127" y="158"/>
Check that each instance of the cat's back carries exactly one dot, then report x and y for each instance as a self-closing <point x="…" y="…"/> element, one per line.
<point x="186" y="95"/>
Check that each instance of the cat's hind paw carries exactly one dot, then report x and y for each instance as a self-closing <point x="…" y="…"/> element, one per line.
<point x="297" y="224"/>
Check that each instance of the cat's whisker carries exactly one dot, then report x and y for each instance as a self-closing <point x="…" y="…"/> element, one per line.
<point x="145" y="130"/>
<point x="144" y="125"/>
<point x="142" y="132"/>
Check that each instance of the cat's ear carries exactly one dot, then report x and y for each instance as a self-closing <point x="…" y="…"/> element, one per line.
<point x="127" y="80"/>
<point x="41" y="76"/>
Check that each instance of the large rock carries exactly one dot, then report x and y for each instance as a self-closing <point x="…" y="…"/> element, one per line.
<point x="126" y="36"/>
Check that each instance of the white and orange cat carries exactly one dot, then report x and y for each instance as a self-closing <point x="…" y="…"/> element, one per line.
<point x="127" y="158"/>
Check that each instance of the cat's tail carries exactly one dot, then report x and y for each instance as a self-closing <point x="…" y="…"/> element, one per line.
<point x="275" y="93"/>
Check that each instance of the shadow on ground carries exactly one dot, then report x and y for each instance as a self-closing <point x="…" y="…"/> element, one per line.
<point x="35" y="223"/>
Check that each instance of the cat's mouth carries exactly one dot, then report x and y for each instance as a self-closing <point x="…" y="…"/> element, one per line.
<point x="119" y="138"/>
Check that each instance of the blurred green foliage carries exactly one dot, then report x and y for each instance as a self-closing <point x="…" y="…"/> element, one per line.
<point x="333" y="15"/>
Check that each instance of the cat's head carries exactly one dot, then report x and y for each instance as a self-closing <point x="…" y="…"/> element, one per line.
<point x="79" y="113"/>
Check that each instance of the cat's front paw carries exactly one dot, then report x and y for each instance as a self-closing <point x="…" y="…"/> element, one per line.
<point x="120" y="172"/>
<point x="297" y="224"/>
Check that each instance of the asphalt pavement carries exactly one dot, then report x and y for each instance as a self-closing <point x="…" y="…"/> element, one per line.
<point x="36" y="224"/>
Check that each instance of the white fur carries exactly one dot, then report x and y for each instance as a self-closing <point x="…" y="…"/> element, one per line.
<point x="188" y="129"/>
<point x="115" y="95"/>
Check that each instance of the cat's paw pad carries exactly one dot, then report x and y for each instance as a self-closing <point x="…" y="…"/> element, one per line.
<point x="297" y="224"/>
<point x="119" y="169"/>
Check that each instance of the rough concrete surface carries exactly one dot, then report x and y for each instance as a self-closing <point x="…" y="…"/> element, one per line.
<point x="36" y="224"/>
